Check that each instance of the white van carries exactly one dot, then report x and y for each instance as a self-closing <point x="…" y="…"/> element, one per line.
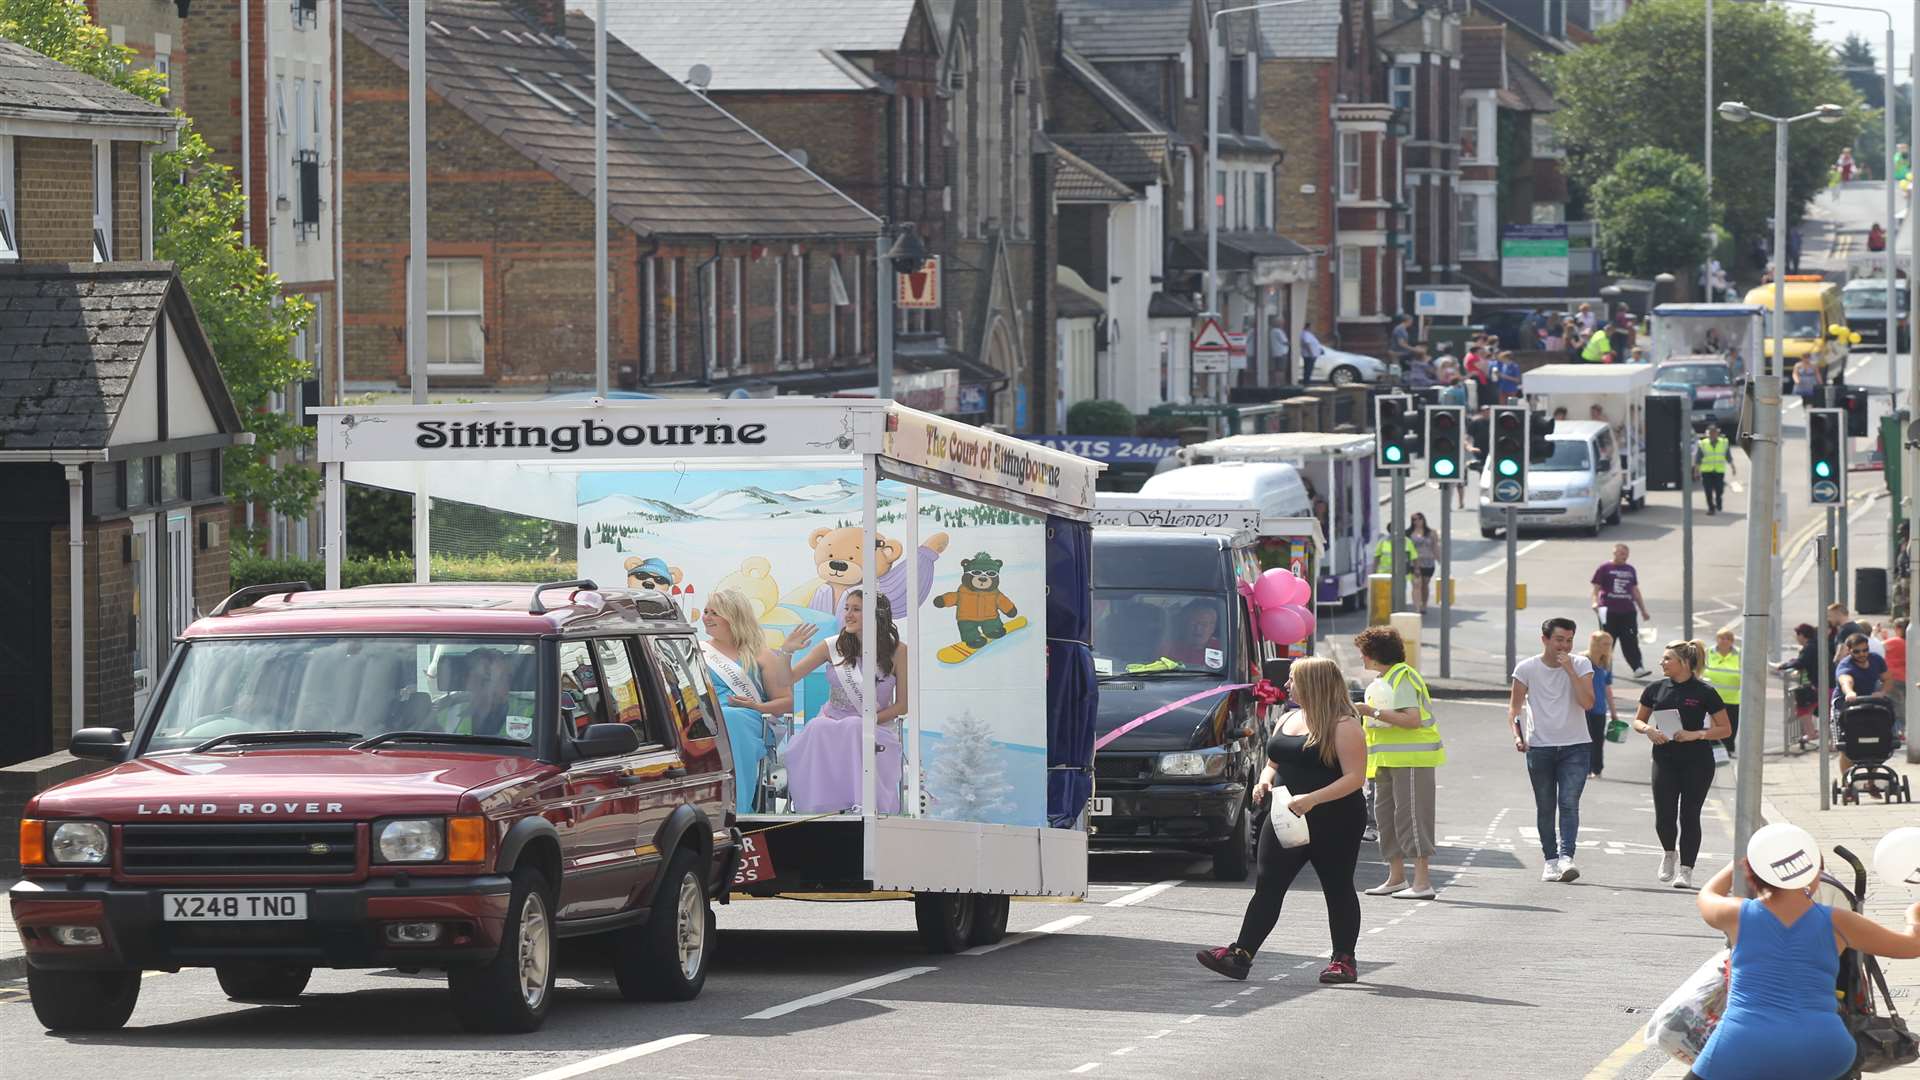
<point x="1582" y="486"/>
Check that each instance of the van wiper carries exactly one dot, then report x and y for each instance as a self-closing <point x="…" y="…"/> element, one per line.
<point x="435" y="736"/>
<point x="275" y="736"/>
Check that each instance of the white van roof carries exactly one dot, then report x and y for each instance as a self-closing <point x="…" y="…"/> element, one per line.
<point x="1283" y="446"/>
<point x="1577" y="429"/>
<point x="1588" y="378"/>
<point x="1274" y="487"/>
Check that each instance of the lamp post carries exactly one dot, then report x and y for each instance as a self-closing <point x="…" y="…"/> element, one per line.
<point x="1765" y="460"/>
<point x="1216" y="52"/>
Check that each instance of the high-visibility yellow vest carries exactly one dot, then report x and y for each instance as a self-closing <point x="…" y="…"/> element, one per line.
<point x="1713" y="455"/>
<point x="1383" y="557"/>
<point x="1723" y="674"/>
<point x="1396" y="747"/>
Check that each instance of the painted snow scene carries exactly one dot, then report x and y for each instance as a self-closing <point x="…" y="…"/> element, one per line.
<point x="790" y="540"/>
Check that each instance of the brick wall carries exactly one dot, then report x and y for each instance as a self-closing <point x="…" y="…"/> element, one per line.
<point x="211" y="76"/>
<point x="55" y="200"/>
<point x="126" y="201"/>
<point x="212" y="579"/>
<point x="1296" y="102"/>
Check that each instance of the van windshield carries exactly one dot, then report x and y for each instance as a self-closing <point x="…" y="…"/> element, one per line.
<point x="1569" y="455"/>
<point x="1174" y="631"/>
<point x="1801" y="324"/>
<point x="349" y="685"/>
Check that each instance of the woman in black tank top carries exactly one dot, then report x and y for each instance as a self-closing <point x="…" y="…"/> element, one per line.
<point x="1319" y="754"/>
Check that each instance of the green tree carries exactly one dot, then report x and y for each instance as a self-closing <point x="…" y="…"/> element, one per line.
<point x="1639" y="85"/>
<point x="1861" y="67"/>
<point x="197" y="211"/>
<point x="1652" y="215"/>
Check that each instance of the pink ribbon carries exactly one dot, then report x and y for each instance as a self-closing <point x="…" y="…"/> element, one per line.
<point x="1164" y="710"/>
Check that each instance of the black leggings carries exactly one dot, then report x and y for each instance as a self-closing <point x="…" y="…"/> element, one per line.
<point x="1733" y="720"/>
<point x="1625" y="628"/>
<point x="1334" y="851"/>
<point x="1597" y="730"/>
<point x="1680" y="786"/>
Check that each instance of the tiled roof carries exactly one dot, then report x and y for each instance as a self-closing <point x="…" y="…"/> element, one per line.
<point x="29" y="80"/>
<point x="1530" y="88"/>
<point x="71" y="337"/>
<point x="1123" y="108"/>
<point x="678" y="165"/>
<point x="1103" y="28"/>
<point x="1071" y="304"/>
<point x="1077" y="180"/>
<point x="1137" y="158"/>
<point x="764" y="44"/>
<point x="1242" y="27"/>
<point x="1309" y="31"/>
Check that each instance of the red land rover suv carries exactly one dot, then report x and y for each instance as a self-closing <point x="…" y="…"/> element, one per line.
<point x="420" y="776"/>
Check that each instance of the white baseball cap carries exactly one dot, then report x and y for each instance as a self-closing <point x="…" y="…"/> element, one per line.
<point x="1784" y="856"/>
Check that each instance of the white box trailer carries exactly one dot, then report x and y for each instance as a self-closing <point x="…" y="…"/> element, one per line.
<point x="1619" y="392"/>
<point x="786" y="500"/>
<point x="1734" y="332"/>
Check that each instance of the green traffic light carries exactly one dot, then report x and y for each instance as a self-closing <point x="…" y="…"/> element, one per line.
<point x="1395" y="455"/>
<point x="1509" y="467"/>
<point x="1823" y="469"/>
<point x="1443" y="467"/>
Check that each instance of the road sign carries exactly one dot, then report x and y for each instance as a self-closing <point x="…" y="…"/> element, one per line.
<point x="1212" y="352"/>
<point x="1509" y="491"/>
<point x="920" y="289"/>
<point x="1826" y="491"/>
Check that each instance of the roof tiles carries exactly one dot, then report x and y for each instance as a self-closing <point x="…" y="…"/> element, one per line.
<point x="1115" y="28"/>
<point x="29" y="80"/>
<point x="70" y="339"/>
<point x="766" y="44"/>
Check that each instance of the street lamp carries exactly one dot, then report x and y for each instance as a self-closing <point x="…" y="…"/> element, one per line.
<point x="1764" y="455"/>
<point x="1214" y="62"/>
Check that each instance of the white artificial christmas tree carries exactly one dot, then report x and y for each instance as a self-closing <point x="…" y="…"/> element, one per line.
<point x="967" y="780"/>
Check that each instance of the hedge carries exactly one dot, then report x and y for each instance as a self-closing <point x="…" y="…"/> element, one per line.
<point x="253" y="570"/>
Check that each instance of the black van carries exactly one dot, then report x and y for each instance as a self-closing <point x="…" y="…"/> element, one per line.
<point x="1169" y="624"/>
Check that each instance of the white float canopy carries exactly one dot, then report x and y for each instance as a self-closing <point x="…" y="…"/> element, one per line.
<point x="504" y="454"/>
<point x="1588" y="378"/>
<point x="1284" y="446"/>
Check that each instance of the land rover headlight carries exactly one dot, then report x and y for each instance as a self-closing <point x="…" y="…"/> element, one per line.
<point x="78" y="843"/>
<point x="411" y="840"/>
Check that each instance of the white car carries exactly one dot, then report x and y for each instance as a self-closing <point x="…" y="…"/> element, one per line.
<point x="1341" y="368"/>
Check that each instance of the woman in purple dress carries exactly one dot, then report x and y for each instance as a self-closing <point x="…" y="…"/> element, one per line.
<point x="823" y="760"/>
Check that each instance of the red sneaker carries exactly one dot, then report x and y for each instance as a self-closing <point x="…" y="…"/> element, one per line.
<point x="1229" y="960"/>
<point x="1343" y="969"/>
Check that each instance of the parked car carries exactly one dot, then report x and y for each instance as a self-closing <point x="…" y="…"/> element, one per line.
<point x="1342" y="368"/>
<point x="1708" y="385"/>
<point x="1865" y="302"/>
<point x="422" y="776"/>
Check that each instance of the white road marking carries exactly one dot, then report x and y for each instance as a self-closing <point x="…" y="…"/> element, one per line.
<point x="1249" y="990"/>
<point x="1195" y="1016"/>
<point x="1054" y="927"/>
<point x="1147" y="893"/>
<point x="1502" y="560"/>
<point x="1222" y="1005"/>
<point x="1124" y="1051"/>
<point x="837" y="993"/>
<point x="1161" y="1034"/>
<point x="1087" y="1068"/>
<point x="595" y="1064"/>
<point x="1306" y="963"/>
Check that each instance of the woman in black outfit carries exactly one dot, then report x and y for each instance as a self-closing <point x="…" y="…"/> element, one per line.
<point x="1319" y="754"/>
<point x="1683" y="762"/>
<point x="1807" y="663"/>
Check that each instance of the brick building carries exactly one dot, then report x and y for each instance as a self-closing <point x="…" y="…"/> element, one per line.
<point x="1510" y="165"/>
<point x="1421" y="44"/>
<point x="854" y="90"/>
<point x="1325" y="87"/>
<point x="156" y="31"/>
<point x="729" y="260"/>
<point x="112" y="413"/>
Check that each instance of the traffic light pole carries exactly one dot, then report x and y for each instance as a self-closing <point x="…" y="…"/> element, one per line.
<point x="1686" y="530"/>
<point x="1839" y="530"/>
<point x="1397" y="593"/>
<point x="1513" y="531"/>
<point x="1824" y="686"/>
<point x="1445" y="581"/>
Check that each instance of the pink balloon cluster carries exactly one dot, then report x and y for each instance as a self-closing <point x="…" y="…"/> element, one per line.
<point x="1283" y="602"/>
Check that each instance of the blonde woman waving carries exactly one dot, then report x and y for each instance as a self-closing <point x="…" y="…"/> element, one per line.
<point x="1319" y="755"/>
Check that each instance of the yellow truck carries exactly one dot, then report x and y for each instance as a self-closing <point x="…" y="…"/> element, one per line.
<point x="1814" y="311"/>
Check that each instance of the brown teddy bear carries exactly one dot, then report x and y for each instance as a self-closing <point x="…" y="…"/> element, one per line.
<point x="837" y="559"/>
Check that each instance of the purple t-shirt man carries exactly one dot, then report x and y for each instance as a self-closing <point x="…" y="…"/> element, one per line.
<point x="1616" y="581"/>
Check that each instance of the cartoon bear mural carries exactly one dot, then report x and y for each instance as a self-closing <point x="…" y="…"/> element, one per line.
<point x="837" y="559"/>
<point x="977" y="606"/>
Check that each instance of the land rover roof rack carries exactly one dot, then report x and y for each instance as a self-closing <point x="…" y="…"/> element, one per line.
<point x="247" y="596"/>
<point x="539" y="608"/>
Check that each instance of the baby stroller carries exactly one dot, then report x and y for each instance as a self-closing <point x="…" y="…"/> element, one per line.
<point x="1884" y="1041"/>
<point x="1864" y="730"/>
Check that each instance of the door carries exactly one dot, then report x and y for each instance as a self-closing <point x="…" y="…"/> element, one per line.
<point x="598" y="844"/>
<point x="142" y="632"/>
<point x="26" y="648"/>
<point x="180" y="605"/>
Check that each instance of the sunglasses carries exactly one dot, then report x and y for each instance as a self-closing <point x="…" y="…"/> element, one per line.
<point x="1862" y="652"/>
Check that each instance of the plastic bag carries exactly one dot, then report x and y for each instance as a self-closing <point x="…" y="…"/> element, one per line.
<point x="1685" y="1021"/>
<point x="1288" y="827"/>
<point x="1720" y="755"/>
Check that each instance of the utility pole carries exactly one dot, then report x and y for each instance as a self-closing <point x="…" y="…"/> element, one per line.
<point x="417" y="267"/>
<point x="1397" y="594"/>
<point x="1910" y="475"/>
<point x="600" y="383"/>
<point x="1686" y="528"/>
<point x="1445" y="583"/>
<point x="1824" y="687"/>
<point x="1513" y="582"/>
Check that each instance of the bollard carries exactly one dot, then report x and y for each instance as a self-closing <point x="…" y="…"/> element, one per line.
<point x="1379" y="603"/>
<point x="1408" y="625"/>
<point x="1520" y="596"/>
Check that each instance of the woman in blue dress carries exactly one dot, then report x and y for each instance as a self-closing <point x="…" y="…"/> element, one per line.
<point x="751" y="680"/>
<point x="1781" y="1020"/>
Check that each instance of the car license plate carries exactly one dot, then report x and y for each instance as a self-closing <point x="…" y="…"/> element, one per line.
<point x="234" y="907"/>
<point x="1101" y="807"/>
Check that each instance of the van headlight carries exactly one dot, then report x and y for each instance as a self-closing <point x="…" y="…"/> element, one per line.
<point x="1209" y="762"/>
<point x="410" y="840"/>
<point x="1579" y="491"/>
<point x="78" y="843"/>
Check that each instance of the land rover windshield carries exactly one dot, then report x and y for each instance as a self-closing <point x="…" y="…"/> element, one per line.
<point x="341" y="690"/>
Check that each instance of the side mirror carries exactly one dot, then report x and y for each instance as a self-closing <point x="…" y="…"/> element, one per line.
<point x="99" y="743"/>
<point x="1277" y="670"/>
<point x="607" y="740"/>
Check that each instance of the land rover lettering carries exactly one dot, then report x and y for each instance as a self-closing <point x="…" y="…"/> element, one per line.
<point x="209" y="809"/>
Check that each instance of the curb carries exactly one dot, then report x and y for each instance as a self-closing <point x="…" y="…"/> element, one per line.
<point x="13" y="967"/>
<point x="1468" y="693"/>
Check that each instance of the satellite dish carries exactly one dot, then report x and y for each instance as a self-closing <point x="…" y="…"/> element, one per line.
<point x="699" y="76"/>
<point x="799" y="156"/>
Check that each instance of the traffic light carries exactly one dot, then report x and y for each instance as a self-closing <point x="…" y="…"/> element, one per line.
<point x="1826" y="463"/>
<point x="1668" y="428"/>
<point x="1509" y="456"/>
<point x="1396" y="432"/>
<point x="1853" y="401"/>
<point x="1539" y="427"/>
<point x="1446" y="445"/>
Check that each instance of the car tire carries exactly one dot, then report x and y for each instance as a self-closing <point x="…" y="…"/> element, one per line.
<point x="1594" y="529"/>
<point x="945" y="921"/>
<point x="82" y="1000"/>
<point x="1614" y="518"/>
<point x="667" y="957"/>
<point x="253" y="981"/>
<point x="1487" y="532"/>
<point x="1230" y="855"/>
<point x="1344" y="375"/>
<point x="511" y="992"/>
<point x="989" y="919"/>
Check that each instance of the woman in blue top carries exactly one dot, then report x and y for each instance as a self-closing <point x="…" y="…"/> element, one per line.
<point x="751" y="680"/>
<point x="1781" y="1021"/>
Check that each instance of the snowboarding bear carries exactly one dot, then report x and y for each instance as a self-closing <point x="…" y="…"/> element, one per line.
<point x="978" y="603"/>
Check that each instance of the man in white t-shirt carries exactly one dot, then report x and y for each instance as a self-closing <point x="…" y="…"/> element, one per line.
<point x="1553" y="691"/>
